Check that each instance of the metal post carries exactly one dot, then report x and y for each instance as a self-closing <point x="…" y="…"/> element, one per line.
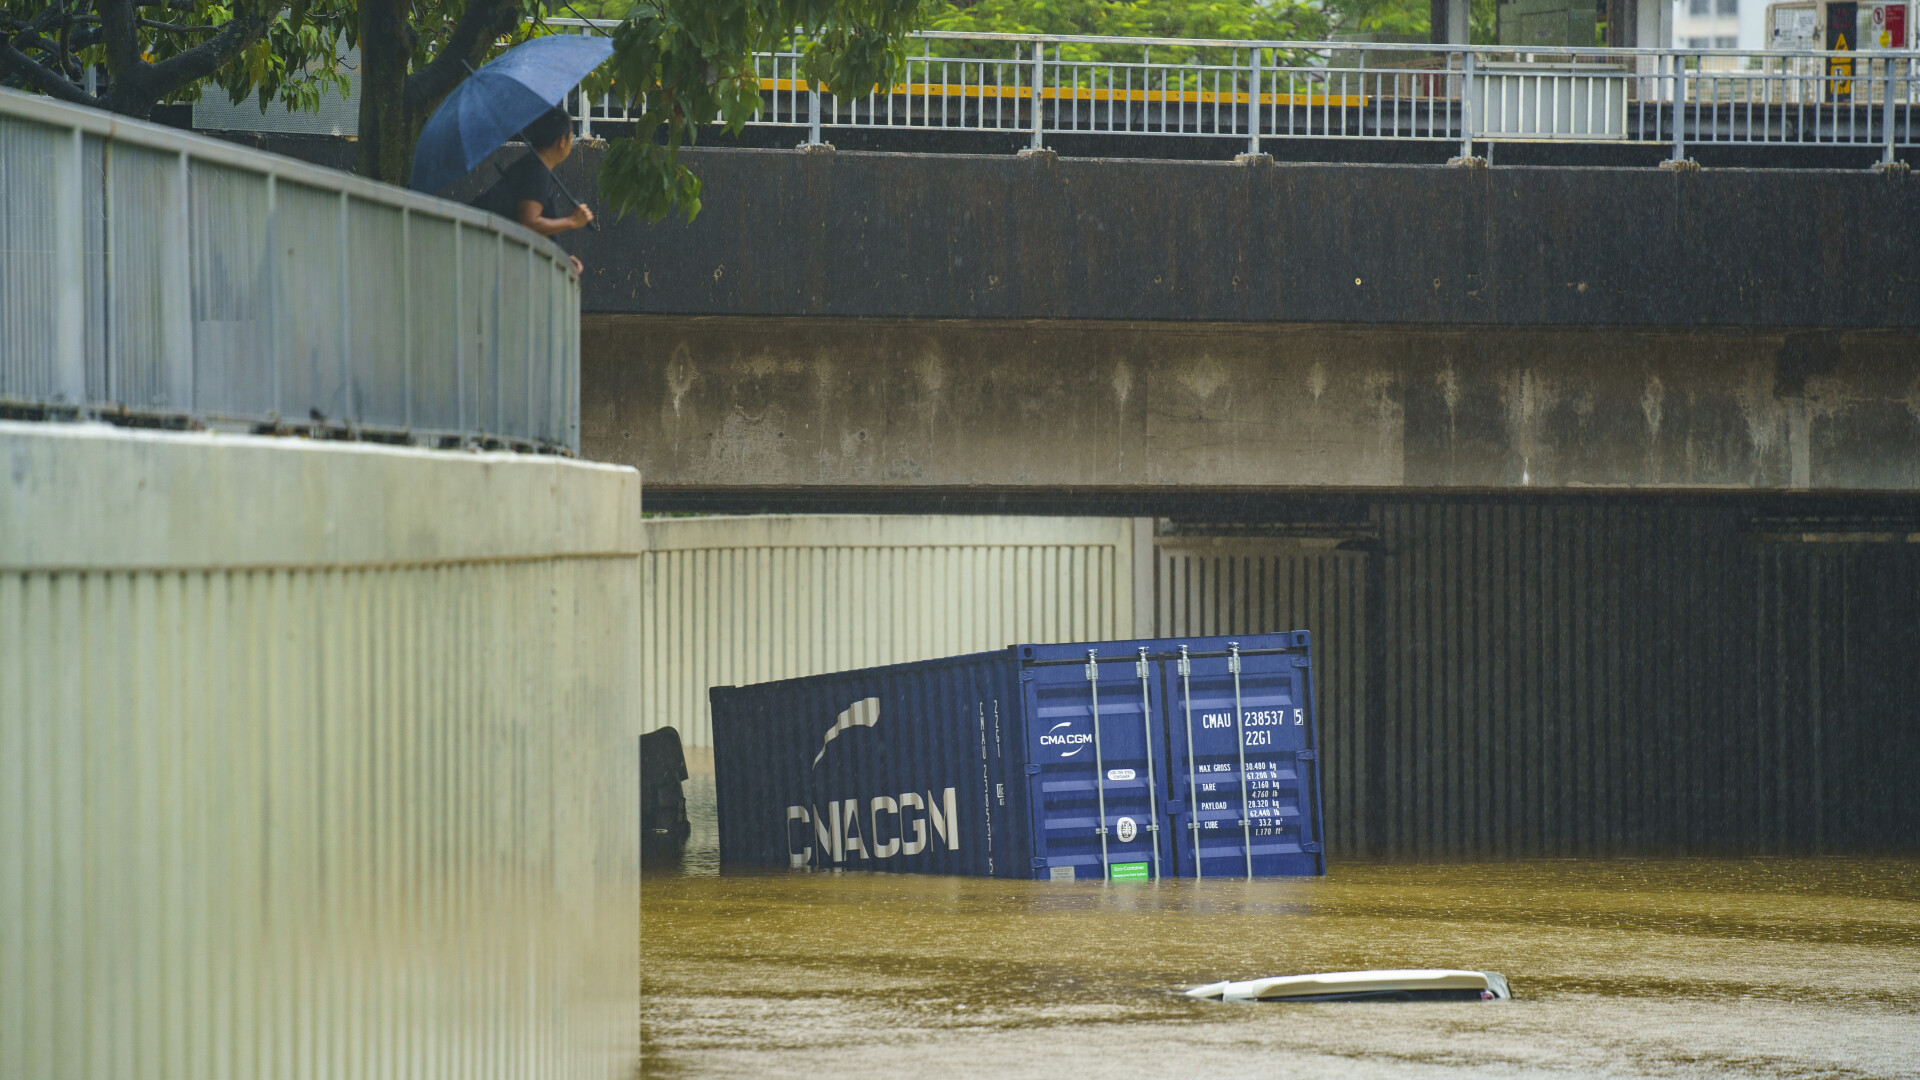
<point x="406" y="317"/>
<point x="1099" y="763"/>
<point x="68" y="220"/>
<point x="1240" y="748"/>
<point x="499" y="293"/>
<point x="1146" y="728"/>
<point x="1039" y="75"/>
<point x="349" y="414"/>
<point x="1253" y="103"/>
<point x="1193" y="778"/>
<point x="813" y="113"/>
<point x="176" y="292"/>
<point x="459" y="337"/>
<point x="1886" y="121"/>
<point x="272" y="329"/>
<point x="1466" y="105"/>
<point x="1679" y="107"/>
<point x="527" y="425"/>
<point x="586" y="112"/>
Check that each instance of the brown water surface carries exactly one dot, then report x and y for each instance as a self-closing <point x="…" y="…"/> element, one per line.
<point x="1759" y="967"/>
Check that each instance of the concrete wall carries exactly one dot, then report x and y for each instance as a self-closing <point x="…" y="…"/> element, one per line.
<point x="315" y="759"/>
<point x="736" y="600"/>
<point x="736" y="403"/>
<point x="996" y="237"/>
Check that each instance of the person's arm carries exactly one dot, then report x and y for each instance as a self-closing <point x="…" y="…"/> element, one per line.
<point x="532" y="217"/>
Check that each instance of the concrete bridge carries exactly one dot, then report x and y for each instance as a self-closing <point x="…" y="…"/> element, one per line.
<point x="904" y="323"/>
<point x="1593" y="485"/>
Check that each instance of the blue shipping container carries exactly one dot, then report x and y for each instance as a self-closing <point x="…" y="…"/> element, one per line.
<point x="1123" y="759"/>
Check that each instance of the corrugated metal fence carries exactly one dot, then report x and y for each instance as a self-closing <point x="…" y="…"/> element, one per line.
<point x="741" y="600"/>
<point x="184" y="280"/>
<point x="1522" y="677"/>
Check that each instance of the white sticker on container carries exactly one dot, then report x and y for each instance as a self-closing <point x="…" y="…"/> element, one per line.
<point x="1060" y="873"/>
<point x="1119" y="774"/>
<point x="1126" y="829"/>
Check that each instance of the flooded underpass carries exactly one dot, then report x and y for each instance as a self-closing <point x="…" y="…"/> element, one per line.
<point x="1754" y="967"/>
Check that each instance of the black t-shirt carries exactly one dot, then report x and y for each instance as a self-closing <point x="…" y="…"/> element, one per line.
<point x="526" y="179"/>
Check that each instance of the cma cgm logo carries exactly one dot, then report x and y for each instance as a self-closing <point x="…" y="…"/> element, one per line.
<point x="1056" y="737"/>
<point x="880" y="827"/>
<point x="876" y="828"/>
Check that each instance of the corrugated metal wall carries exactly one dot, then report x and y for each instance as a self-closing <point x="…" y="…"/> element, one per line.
<point x="1511" y="677"/>
<point x="732" y="601"/>
<point x="310" y="821"/>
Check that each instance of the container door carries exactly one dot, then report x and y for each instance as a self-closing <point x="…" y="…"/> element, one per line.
<point x="1242" y="767"/>
<point x="1094" y="763"/>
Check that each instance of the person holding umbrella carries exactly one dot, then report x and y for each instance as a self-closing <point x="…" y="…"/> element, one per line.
<point x="527" y="191"/>
<point x="516" y="92"/>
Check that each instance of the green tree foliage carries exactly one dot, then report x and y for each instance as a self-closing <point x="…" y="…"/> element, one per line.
<point x="172" y="51"/>
<point x="1270" y="20"/>
<point x="1274" y="20"/>
<point x="681" y="63"/>
<point x="412" y="54"/>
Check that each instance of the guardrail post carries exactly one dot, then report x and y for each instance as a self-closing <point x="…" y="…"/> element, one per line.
<point x="1466" y="105"/>
<point x="176" y="291"/>
<point x="1253" y="102"/>
<point x="1679" y="107"/>
<point x="1039" y="73"/>
<point x="349" y="410"/>
<point x="70" y="269"/>
<point x="406" y="318"/>
<point x="1886" y="122"/>
<point x="813" y="113"/>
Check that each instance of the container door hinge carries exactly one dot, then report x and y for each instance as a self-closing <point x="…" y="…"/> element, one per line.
<point x="1300" y="661"/>
<point x="1026" y="674"/>
<point x="1039" y="863"/>
<point x="1305" y="755"/>
<point x="1033" y="769"/>
<point x="1312" y="845"/>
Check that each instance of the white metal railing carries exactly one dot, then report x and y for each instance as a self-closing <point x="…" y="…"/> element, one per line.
<point x="1040" y="85"/>
<point x="172" y="279"/>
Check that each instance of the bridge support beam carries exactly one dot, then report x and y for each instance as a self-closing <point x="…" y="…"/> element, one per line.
<point x="746" y="402"/>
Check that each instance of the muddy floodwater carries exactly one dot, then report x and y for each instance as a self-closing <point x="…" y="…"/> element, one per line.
<point x="1758" y="967"/>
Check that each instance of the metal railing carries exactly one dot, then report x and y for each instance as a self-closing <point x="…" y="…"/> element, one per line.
<point x="152" y="276"/>
<point x="1040" y="85"/>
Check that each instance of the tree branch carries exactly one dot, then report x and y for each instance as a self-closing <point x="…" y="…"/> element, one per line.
<point x="37" y="76"/>
<point x="483" y="21"/>
<point x="118" y="25"/>
<point x="209" y="56"/>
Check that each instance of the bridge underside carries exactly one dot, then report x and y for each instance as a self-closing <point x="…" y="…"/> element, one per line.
<point x="704" y="404"/>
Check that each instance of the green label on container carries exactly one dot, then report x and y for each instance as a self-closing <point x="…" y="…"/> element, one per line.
<point x="1129" y="871"/>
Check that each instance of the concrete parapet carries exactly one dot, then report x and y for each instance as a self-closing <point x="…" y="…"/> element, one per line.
<point x="864" y="235"/>
<point x="316" y="753"/>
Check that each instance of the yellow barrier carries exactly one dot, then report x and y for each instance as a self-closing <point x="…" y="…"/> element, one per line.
<point x="1090" y="94"/>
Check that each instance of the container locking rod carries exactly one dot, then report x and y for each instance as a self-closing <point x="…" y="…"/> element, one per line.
<point x="1240" y="747"/>
<point x="1193" y="779"/>
<point x="1099" y="764"/>
<point x="1146" y="729"/>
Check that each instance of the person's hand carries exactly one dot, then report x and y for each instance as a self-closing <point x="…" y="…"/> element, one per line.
<point x="580" y="216"/>
<point x="577" y="268"/>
